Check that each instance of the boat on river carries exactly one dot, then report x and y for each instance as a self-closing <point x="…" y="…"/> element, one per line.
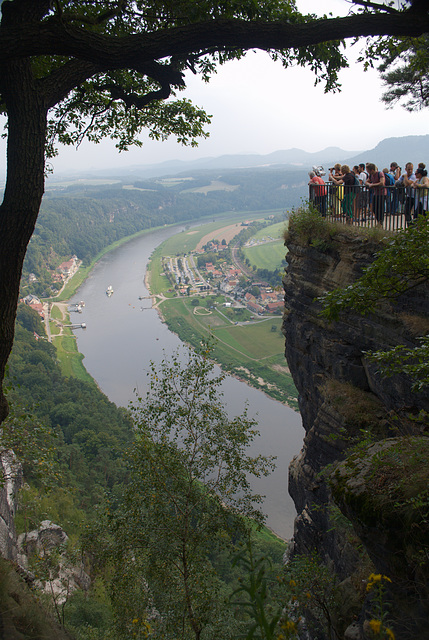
<point x="109" y="290"/>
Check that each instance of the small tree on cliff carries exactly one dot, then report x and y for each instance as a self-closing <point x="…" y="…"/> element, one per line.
<point x="95" y="68"/>
<point x="189" y="491"/>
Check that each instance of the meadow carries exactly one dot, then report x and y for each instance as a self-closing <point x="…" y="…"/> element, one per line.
<point x="270" y="254"/>
<point x="253" y="350"/>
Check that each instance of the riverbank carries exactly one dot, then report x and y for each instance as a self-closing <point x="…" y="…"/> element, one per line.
<point x="63" y="338"/>
<point x="251" y="350"/>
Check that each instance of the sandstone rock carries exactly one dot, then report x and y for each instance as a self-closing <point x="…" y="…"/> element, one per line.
<point x="11" y="472"/>
<point x="342" y="398"/>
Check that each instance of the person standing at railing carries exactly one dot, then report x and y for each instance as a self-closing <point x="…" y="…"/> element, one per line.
<point x="407" y="179"/>
<point x="357" y="202"/>
<point x="421" y="186"/>
<point x="337" y="190"/>
<point x="376" y="184"/>
<point x="364" y="195"/>
<point x="395" y="170"/>
<point x="318" y="192"/>
<point x="347" y="179"/>
<point x="390" y="185"/>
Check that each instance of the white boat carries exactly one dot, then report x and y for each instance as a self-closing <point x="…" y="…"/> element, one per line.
<point x="109" y="290"/>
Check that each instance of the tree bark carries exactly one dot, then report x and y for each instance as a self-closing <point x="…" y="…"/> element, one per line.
<point x="23" y="192"/>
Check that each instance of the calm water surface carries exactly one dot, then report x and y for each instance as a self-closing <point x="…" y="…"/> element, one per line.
<point x="124" y="335"/>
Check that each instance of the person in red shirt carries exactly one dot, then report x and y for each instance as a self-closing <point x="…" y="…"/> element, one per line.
<point x="318" y="192"/>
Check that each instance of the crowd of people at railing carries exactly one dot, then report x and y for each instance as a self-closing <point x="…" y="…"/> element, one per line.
<point x="364" y="193"/>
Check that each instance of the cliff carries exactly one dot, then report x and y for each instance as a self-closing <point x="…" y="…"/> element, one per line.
<point x="360" y="483"/>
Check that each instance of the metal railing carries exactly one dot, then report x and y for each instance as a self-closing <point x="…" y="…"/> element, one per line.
<point x="390" y="207"/>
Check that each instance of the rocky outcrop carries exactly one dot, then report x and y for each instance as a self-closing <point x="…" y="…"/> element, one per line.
<point x="10" y="483"/>
<point x="62" y="573"/>
<point x="346" y="407"/>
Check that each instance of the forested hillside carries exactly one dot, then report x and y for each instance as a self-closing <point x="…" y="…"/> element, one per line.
<point x="82" y="434"/>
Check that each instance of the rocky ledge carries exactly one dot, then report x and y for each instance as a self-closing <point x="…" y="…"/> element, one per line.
<point x="360" y="483"/>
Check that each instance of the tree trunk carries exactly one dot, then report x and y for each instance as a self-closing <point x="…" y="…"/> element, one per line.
<point x="24" y="188"/>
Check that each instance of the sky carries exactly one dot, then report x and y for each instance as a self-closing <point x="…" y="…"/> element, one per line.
<point x="259" y="107"/>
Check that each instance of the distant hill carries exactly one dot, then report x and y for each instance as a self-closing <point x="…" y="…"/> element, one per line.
<point x="287" y="160"/>
<point x="413" y="149"/>
<point x="401" y="150"/>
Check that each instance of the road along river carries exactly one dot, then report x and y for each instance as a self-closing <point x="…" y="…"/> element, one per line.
<point x="124" y="334"/>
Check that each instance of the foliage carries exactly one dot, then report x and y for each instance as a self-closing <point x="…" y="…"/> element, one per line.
<point x="188" y="496"/>
<point x="314" y="593"/>
<point x="33" y="443"/>
<point x="412" y="361"/>
<point x="277" y="606"/>
<point x="309" y="228"/>
<point x="377" y="625"/>
<point x="61" y="427"/>
<point x="255" y="592"/>
<point x="401" y="265"/>
<point x="88" y="615"/>
<point x="403" y="69"/>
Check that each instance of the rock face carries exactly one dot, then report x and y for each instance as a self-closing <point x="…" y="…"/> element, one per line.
<point x="11" y="475"/>
<point x="344" y="401"/>
<point x="62" y="575"/>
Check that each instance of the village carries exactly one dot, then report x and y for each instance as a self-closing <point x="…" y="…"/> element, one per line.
<point x="63" y="273"/>
<point x="214" y="268"/>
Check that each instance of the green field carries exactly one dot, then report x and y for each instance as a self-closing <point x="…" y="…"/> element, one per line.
<point x="69" y="358"/>
<point x="256" y="340"/>
<point x="275" y="231"/>
<point x="266" y="256"/>
<point x="270" y="254"/>
<point x="252" y="351"/>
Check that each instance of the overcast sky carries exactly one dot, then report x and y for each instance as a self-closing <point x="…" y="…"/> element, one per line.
<point x="259" y="107"/>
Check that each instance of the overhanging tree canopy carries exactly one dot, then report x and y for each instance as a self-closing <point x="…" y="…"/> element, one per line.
<point x="76" y="68"/>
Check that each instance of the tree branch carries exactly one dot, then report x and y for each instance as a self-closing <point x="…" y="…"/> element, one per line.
<point x="374" y="5"/>
<point x="62" y="80"/>
<point x="53" y="38"/>
<point x="133" y="100"/>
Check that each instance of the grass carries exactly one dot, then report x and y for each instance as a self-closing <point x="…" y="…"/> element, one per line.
<point x="56" y="313"/>
<point x="266" y="256"/>
<point x="69" y="358"/>
<point x="275" y="231"/>
<point x="269" y="255"/>
<point x="257" y="340"/>
<point x="240" y="350"/>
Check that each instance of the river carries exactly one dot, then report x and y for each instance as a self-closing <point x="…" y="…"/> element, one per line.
<point x="124" y="335"/>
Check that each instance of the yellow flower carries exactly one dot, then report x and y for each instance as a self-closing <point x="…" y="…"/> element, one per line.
<point x="135" y="621"/>
<point x="389" y="633"/>
<point x="375" y="625"/>
<point x="375" y="578"/>
<point x="292" y="583"/>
